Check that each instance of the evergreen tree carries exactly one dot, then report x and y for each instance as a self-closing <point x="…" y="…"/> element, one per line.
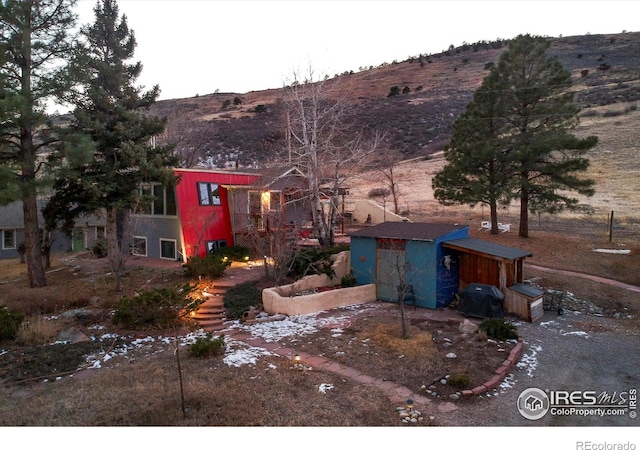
<point x="476" y="169"/>
<point x="35" y="47"/>
<point x="113" y="112"/>
<point x="514" y="141"/>
<point x="547" y="159"/>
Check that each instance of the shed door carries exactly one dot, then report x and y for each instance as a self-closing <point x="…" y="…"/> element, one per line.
<point x="390" y="268"/>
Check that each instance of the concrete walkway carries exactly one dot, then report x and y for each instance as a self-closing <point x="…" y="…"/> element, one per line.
<point x="586" y="276"/>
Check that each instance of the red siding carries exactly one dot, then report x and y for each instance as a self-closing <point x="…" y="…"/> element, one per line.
<point x="205" y="223"/>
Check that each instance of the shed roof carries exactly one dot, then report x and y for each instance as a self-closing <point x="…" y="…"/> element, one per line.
<point x="487" y="248"/>
<point x="416" y="231"/>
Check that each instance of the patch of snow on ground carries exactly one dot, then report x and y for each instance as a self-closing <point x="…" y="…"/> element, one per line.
<point x="324" y="387"/>
<point x="551" y="322"/>
<point x="529" y="362"/>
<point x="239" y="354"/>
<point x="277" y="330"/>
<point x="584" y="334"/>
<point x="508" y="383"/>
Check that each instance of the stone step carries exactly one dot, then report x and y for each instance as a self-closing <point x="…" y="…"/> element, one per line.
<point x="213" y="326"/>
<point x="212" y="303"/>
<point x="210" y="315"/>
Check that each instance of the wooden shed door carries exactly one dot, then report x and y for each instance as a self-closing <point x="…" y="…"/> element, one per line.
<point x="390" y="268"/>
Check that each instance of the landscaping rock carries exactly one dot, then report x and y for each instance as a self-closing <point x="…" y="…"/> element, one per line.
<point x="468" y="327"/>
<point x="72" y="335"/>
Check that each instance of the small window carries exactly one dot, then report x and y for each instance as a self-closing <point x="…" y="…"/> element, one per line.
<point x="168" y="249"/>
<point x="9" y="239"/>
<point x="139" y="246"/>
<point x="145" y="204"/>
<point x="101" y="233"/>
<point x="215" y="246"/>
<point x="171" y="208"/>
<point x="209" y="194"/>
<point x="158" y="200"/>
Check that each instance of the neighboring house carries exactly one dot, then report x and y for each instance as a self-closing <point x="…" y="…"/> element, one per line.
<point x="192" y="219"/>
<point x="434" y="260"/>
<point x="274" y="201"/>
<point x="87" y="232"/>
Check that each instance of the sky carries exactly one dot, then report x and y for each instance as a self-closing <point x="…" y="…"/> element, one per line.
<point x="198" y="47"/>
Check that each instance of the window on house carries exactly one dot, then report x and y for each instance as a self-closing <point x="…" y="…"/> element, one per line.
<point x="274" y="201"/>
<point x="215" y="246"/>
<point x="208" y="194"/>
<point x="101" y="233"/>
<point x="144" y="205"/>
<point x="168" y="249"/>
<point x="139" y="246"/>
<point x="157" y="200"/>
<point x="8" y="239"/>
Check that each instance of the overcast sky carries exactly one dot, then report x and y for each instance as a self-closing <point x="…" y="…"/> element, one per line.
<point x="195" y="47"/>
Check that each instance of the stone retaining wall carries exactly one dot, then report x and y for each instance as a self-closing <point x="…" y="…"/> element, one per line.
<point x="500" y="373"/>
<point x="275" y="303"/>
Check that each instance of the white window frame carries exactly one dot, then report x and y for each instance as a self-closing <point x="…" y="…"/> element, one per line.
<point x="146" y="247"/>
<point x="175" y="249"/>
<point x="15" y="245"/>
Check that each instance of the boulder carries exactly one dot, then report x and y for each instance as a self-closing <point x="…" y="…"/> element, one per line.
<point x="72" y="335"/>
<point x="468" y="327"/>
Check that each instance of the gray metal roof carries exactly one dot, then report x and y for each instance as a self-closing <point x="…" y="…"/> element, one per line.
<point x="12" y="216"/>
<point x="487" y="248"/>
<point x="416" y="231"/>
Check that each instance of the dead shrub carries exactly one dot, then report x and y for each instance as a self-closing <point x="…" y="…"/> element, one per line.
<point x="36" y="330"/>
<point x="389" y="336"/>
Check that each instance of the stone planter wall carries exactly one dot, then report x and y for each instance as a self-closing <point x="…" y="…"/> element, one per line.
<point x="275" y="302"/>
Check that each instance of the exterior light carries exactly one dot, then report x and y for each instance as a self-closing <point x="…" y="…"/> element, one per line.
<point x="410" y="405"/>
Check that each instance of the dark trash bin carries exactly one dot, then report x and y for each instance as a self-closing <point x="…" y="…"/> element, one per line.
<point x="481" y="300"/>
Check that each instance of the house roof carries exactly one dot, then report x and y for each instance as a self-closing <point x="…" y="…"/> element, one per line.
<point x="279" y="178"/>
<point x="275" y="179"/>
<point x="415" y="231"/>
<point x="473" y="245"/>
<point x="12" y="216"/>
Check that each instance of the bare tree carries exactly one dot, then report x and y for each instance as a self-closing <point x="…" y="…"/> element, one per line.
<point x="386" y="168"/>
<point x="188" y="137"/>
<point x="323" y="146"/>
<point x="276" y="245"/>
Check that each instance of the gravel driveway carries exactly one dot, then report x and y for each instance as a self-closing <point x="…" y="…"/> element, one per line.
<point x="571" y="352"/>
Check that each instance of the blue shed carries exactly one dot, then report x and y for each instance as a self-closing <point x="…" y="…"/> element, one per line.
<point x="394" y="254"/>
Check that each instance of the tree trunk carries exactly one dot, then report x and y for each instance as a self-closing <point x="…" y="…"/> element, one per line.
<point x="35" y="268"/>
<point x="494" y="218"/>
<point x="114" y="251"/>
<point x="523" y="230"/>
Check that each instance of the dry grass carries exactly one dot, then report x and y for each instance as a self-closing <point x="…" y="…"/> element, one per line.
<point x="147" y="392"/>
<point x="37" y="330"/>
<point x="389" y="337"/>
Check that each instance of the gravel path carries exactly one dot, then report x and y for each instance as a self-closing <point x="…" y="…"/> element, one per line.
<point x="573" y="352"/>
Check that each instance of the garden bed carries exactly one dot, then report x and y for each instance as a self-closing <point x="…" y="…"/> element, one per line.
<point x="285" y="300"/>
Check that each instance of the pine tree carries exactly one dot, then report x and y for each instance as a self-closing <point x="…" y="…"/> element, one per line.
<point x="113" y="112"/>
<point x="514" y="140"/>
<point x="36" y="46"/>
<point x="546" y="158"/>
<point x="476" y="169"/>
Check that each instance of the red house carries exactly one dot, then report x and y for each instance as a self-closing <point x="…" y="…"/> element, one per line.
<point x="189" y="220"/>
<point x="211" y="209"/>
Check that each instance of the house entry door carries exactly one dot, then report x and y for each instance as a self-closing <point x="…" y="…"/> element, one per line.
<point x="390" y="268"/>
<point x="78" y="243"/>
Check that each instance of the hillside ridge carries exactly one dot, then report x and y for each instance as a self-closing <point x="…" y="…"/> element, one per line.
<point x="248" y="129"/>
